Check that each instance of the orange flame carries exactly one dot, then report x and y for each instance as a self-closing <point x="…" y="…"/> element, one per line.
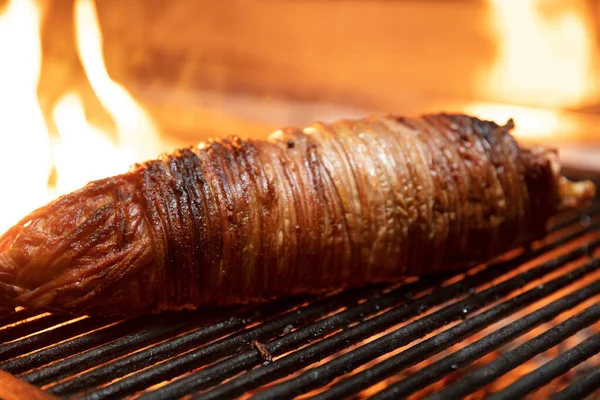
<point x="545" y="55"/>
<point x="81" y="152"/>
<point x="135" y="128"/>
<point x="545" y="62"/>
<point x="24" y="143"/>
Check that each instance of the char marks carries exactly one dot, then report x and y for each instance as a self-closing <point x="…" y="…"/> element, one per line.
<point x="326" y="207"/>
<point x="339" y="205"/>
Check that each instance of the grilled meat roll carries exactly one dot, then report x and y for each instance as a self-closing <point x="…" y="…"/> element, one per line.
<point x="328" y="206"/>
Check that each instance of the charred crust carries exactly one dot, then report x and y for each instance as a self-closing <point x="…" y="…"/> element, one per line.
<point x="239" y="220"/>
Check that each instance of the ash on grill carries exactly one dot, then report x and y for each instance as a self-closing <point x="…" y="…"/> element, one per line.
<point x="527" y="323"/>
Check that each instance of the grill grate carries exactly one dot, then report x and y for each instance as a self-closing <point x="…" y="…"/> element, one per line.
<point x="528" y="322"/>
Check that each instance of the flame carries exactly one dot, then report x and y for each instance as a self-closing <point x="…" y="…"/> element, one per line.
<point x="81" y="152"/>
<point x="137" y="136"/>
<point x="545" y="63"/>
<point x="24" y="143"/>
<point x="545" y="55"/>
<point x="76" y="167"/>
<point x="134" y="125"/>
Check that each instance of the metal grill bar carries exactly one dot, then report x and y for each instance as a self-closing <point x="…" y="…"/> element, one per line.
<point x="456" y="334"/>
<point x="32" y="326"/>
<point x="519" y="355"/>
<point x="139" y="339"/>
<point x="552" y="369"/>
<point x="47" y="338"/>
<point x="45" y="356"/>
<point x="322" y="375"/>
<point x="581" y="388"/>
<point x="17" y="316"/>
<point x="217" y="349"/>
<point x="478" y="349"/>
<point x="127" y="344"/>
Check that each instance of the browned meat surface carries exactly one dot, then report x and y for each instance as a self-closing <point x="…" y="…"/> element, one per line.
<point x="324" y="207"/>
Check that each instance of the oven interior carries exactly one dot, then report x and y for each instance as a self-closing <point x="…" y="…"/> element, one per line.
<point x="89" y="88"/>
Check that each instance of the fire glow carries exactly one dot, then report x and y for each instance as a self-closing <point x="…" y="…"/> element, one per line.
<point x="544" y="60"/>
<point x="545" y="53"/>
<point x="79" y="152"/>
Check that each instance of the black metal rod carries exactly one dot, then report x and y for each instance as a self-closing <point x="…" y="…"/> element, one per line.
<point x="552" y="369"/>
<point x="50" y="337"/>
<point x="29" y="327"/>
<point x="450" y="337"/>
<point x="17" y="316"/>
<point x="582" y="388"/>
<point x="227" y="346"/>
<point x="519" y="355"/>
<point x="124" y="345"/>
<point x="159" y="352"/>
<point x="325" y="373"/>
<point x="449" y="364"/>
<point x="73" y="346"/>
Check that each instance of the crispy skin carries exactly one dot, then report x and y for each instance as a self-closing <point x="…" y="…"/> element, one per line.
<point x="329" y="206"/>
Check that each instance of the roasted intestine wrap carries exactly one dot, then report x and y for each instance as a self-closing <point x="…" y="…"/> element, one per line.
<point x="325" y="207"/>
